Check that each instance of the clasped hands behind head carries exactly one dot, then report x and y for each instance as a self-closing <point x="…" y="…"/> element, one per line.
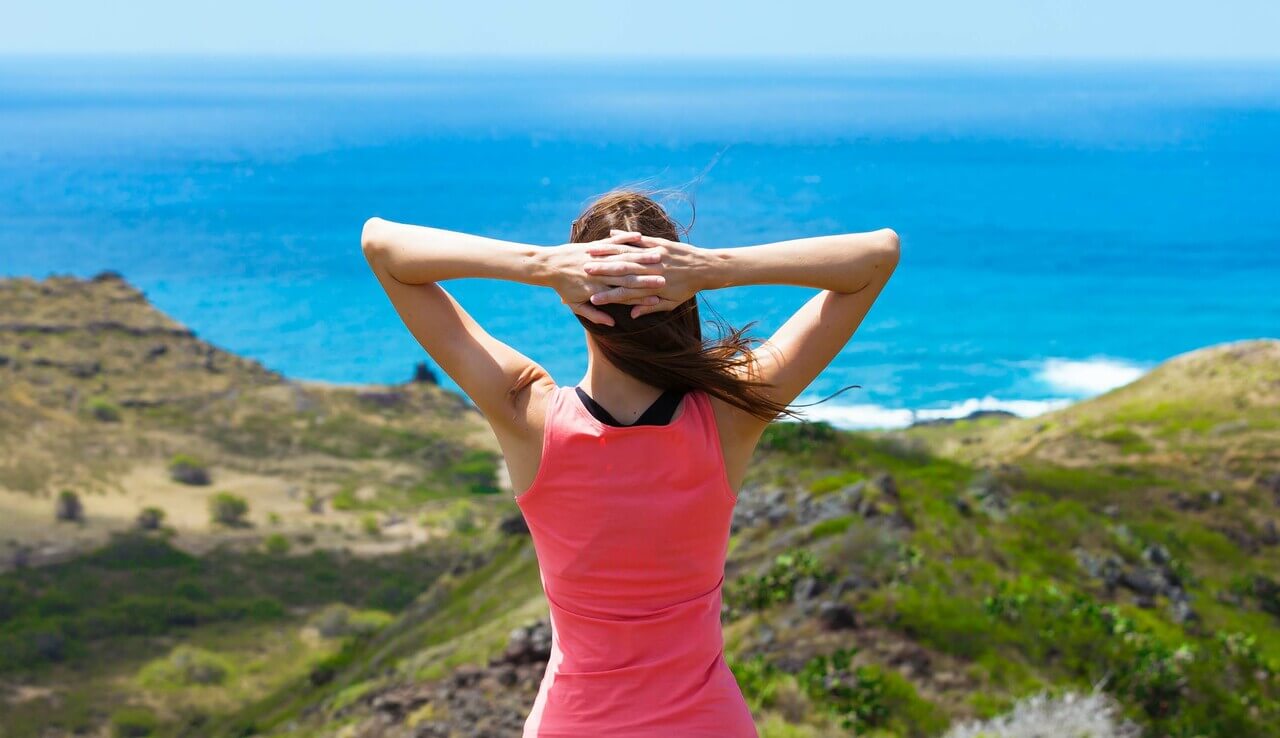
<point x="649" y="273"/>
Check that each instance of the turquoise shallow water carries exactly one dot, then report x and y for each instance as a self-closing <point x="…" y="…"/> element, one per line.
<point x="1064" y="226"/>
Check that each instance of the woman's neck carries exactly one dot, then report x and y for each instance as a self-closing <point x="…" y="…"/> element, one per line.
<point x="624" y="396"/>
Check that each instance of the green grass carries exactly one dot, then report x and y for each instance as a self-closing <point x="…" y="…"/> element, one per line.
<point x="830" y="527"/>
<point x="142" y="586"/>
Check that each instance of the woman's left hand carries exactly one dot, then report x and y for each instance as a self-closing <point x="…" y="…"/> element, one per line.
<point x="639" y="286"/>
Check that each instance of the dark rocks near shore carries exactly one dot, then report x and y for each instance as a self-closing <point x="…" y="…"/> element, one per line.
<point x="975" y="415"/>
<point x="422" y="374"/>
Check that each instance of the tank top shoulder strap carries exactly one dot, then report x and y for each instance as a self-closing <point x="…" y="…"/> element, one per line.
<point x="553" y="418"/>
<point x="700" y="402"/>
<point x="555" y="415"/>
<point x="711" y="432"/>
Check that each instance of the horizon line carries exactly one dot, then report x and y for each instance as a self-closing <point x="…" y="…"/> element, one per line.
<point x="632" y="58"/>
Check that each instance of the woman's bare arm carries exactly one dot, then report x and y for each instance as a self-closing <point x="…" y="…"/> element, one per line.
<point x="844" y="264"/>
<point x="850" y="269"/>
<point x="409" y="260"/>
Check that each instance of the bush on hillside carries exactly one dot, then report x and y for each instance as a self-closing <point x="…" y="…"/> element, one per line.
<point x="186" y="666"/>
<point x="476" y="471"/>
<point x="276" y="544"/>
<point x="228" y="509"/>
<point x="69" y="507"/>
<point x="1183" y="686"/>
<point x="338" y="621"/>
<point x="103" y="409"/>
<point x="133" y="722"/>
<point x="189" y="470"/>
<point x="792" y="437"/>
<point x="854" y="694"/>
<point x="150" y="518"/>
<point x="758" y="592"/>
<point x="463" y="516"/>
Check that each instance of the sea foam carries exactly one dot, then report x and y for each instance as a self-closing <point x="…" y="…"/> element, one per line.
<point x="1089" y="377"/>
<point x="877" y="416"/>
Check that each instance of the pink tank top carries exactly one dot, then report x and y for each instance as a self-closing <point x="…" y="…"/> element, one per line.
<point x="631" y="528"/>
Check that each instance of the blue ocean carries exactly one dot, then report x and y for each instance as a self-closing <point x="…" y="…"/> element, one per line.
<point x="1064" y="226"/>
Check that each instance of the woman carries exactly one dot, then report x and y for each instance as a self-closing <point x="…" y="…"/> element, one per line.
<point x="628" y="480"/>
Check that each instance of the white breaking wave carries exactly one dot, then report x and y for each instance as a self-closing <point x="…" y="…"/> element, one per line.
<point x="878" y="416"/>
<point x="1090" y="377"/>
<point x="1069" y="378"/>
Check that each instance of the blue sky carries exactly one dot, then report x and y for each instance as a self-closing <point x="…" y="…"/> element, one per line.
<point x="1076" y="29"/>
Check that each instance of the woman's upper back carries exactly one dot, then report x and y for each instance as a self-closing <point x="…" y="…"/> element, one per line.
<point x="629" y="517"/>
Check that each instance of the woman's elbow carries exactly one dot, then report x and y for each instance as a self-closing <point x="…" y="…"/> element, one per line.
<point x="371" y="241"/>
<point x="888" y="248"/>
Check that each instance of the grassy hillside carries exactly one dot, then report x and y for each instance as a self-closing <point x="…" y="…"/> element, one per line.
<point x="892" y="584"/>
<point x="898" y="583"/>
<point x="184" y="530"/>
<point x="1214" y="413"/>
<point x="106" y="397"/>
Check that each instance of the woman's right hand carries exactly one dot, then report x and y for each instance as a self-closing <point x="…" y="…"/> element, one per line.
<point x="683" y="267"/>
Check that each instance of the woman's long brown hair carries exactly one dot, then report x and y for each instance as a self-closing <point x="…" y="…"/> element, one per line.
<point x="667" y="349"/>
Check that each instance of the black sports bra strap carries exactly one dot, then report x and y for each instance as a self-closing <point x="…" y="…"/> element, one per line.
<point x="662" y="409"/>
<point x="659" y="413"/>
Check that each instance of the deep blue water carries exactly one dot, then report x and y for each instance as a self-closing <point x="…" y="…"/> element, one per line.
<point x="1063" y="226"/>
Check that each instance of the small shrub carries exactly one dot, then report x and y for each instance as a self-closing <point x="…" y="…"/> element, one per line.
<point x="758" y="679"/>
<point x="103" y="409"/>
<point x="150" y="518"/>
<point x="133" y="722"/>
<point x="463" y="516"/>
<point x="476" y="471"/>
<point x="751" y="592"/>
<point x="186" y="666"/>
<point x="798" y="437"/>
<point x="228" y="509"/>
<point x="68" y="507"/>
<point x="345" y="499"/>
<point x="370" y="525"/>
<point x="1183" y="687"/>
<point x="854" y="695"/>
<point x="1267" y="592"/>
<point x="189" y="470"/>
<point x="339" y="621"/>
<point x="276" y="544"/>
<point x="1126" y="440"/>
